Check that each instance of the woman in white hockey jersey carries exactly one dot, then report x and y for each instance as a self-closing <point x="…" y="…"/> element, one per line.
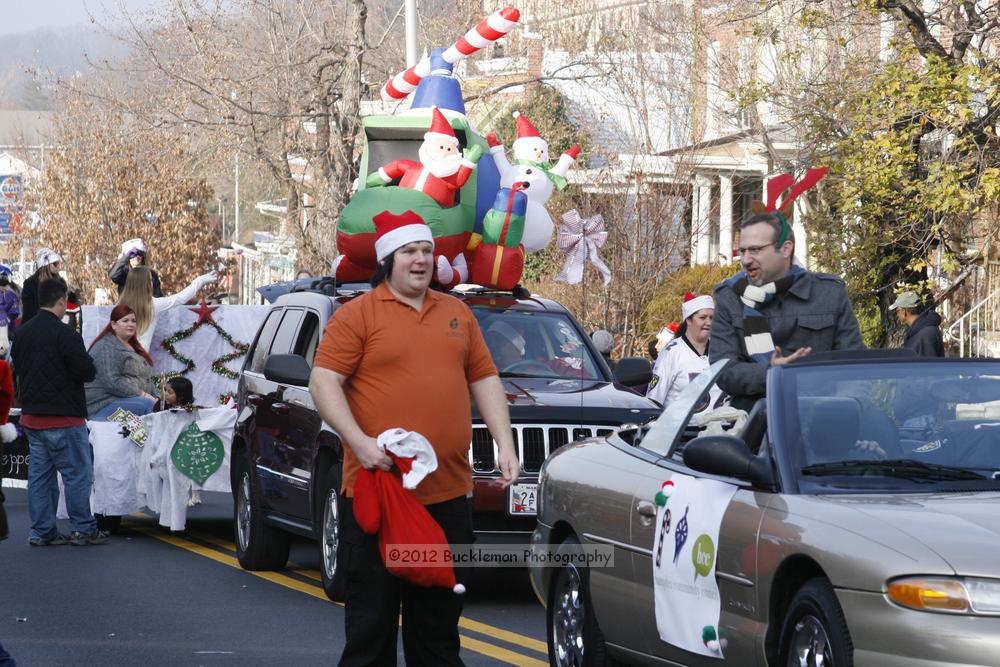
<point x="687" y="354"/>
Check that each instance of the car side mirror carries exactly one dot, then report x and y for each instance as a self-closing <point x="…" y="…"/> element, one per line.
<point x="728" y="456"/>
<point x="290" y="369"/>
<point x="632" y="371"/>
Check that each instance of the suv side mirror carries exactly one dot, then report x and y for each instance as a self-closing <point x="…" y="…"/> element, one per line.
<point x="728" y="456"/>
<point x="287" y="369"/>
<point x="631" y="371"/>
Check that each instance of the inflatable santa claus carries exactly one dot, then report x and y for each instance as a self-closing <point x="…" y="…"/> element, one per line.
<point x="442" y="169"/>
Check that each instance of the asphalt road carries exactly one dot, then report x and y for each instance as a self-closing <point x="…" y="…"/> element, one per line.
<point x="150" y="597"/>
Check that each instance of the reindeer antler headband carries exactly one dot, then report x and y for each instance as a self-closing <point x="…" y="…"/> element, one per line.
<point x="775" y="187"/>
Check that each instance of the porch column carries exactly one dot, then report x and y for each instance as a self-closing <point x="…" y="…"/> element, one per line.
<point x="800" y="207"/>
<point x="700" y="223"/>
<point x="725" y="220"/>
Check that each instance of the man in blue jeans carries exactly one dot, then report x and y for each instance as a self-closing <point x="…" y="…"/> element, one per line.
<point x="52" y="365"/>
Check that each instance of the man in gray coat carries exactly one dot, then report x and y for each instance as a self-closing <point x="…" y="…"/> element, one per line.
<point x="774" y="311"/>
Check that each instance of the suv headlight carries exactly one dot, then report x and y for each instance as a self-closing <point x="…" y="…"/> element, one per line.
<point x="949" y="595"/>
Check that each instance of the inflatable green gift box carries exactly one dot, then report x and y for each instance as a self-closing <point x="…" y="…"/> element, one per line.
<point x="504" y="223"/>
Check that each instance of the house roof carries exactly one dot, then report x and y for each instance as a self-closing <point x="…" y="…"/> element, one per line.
<point x="24" y="128"/>
<point x="628" y="104"/>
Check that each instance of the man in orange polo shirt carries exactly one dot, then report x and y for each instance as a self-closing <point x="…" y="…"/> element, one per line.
<point x="405" y="356"/>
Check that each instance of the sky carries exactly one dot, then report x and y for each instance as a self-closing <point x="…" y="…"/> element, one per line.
<point x="20" y="16"/>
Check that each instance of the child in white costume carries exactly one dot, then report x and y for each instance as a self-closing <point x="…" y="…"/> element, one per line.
<point x="686" y="356"/>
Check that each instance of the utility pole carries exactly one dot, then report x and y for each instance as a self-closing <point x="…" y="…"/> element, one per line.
<point x="410" y="23"/>
<point x="236" y="201"/>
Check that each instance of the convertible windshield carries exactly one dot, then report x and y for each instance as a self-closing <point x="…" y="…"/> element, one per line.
<point x="907" y="426"/>
<point x="531" y="344"/>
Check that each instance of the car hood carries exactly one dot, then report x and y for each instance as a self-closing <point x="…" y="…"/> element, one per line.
<point x="962" y="528"/>
<point x="572" y="393"/>
<point x="574" y="402"/>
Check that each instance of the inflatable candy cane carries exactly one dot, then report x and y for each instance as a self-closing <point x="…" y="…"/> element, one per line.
<point x="488" y="31"/>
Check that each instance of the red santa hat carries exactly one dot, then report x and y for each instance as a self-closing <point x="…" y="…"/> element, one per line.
<point x="393" y="231"/>
<point x="692" y="304"/>
<point x="384" y="507"/>
<point x="528" y="143"/>
<point x="440" y="129"/>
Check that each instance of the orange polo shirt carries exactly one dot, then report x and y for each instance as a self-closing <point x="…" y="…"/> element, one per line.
<point x="410" y="370"/>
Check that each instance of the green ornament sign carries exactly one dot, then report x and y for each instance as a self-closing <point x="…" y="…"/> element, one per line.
<point x="197" y="454"/>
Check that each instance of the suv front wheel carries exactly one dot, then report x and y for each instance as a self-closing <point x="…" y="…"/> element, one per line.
<point x="258" y="546"/>
<point x="329" y="537"/>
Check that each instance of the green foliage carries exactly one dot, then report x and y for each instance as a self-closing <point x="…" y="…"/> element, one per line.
<point x="665" y="304"/>
<point x="911" y="167"/>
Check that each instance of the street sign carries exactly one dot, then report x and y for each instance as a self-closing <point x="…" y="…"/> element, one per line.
<point x="11" y="189"/>
<point x="5" y="220"/>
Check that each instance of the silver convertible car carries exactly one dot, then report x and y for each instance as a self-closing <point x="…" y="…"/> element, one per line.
<point x="851" y="518"/>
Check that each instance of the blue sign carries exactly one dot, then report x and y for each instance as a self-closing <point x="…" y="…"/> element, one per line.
<point x="5" y="223"/>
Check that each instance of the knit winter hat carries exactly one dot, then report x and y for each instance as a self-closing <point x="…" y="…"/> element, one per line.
<point x="508" y="332"/>
<point x="393" y="231"/>
<point x="603" y="340"/>
<point x="45" y="256"/>
<point x="692" y="304"/>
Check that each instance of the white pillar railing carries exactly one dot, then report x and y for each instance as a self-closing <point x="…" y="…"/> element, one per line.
<point x="968" y="330"/>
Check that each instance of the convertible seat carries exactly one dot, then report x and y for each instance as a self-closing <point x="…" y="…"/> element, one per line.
<point x="830" y="428"/>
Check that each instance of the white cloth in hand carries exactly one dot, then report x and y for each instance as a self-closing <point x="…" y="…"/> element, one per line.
<point x="8" y="432"/>
<point x="410" y="444"/>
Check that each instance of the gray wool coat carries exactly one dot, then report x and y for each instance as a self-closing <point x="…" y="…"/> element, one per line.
<point x="121" y="373"/>
<point x="815" y="312"/>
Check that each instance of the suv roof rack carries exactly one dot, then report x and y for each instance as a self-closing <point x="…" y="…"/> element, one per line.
<point x="518" y="292"/>
<point x="327" y="285"/>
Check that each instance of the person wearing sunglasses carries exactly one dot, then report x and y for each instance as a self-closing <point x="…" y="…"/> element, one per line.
<point x="48" y="264"/>
<point x="135" y="253"/>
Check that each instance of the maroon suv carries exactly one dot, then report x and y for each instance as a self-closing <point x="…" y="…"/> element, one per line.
<point x="286" y="462"/>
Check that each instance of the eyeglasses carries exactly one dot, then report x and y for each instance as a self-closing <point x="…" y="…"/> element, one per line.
<point x="754" y="250"/>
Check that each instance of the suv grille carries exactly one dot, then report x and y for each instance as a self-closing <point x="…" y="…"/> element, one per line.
<point x="532" y="443"/>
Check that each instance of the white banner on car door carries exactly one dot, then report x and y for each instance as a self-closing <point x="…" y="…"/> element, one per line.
<point x="684" y="551"/>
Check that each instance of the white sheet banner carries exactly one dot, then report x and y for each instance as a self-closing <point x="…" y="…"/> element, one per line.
<point x="203" y="347"/>
<point x="684" y="550"/>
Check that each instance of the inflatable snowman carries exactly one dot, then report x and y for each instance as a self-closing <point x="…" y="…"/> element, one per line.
<point x="531" y="166"/>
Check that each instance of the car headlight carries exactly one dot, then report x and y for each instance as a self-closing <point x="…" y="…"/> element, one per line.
<point x="949" y="595"/>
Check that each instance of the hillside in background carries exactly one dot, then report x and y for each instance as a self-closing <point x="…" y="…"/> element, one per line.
<point x="30" y="62"/>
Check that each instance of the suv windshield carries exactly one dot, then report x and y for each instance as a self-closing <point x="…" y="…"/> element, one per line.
<point x="530" y="344"/>
<point x="891" y="426"/>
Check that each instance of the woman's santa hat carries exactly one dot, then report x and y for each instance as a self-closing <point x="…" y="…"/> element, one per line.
<point x="692" y="304"/>
<point x="529" y="145"/>
<point x="440" y="129"/>
<point x="393" y="231"/>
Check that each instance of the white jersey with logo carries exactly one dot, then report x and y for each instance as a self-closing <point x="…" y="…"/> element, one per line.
<point x="674" y="369"/>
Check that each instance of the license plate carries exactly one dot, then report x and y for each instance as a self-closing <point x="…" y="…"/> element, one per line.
<point x="522" y="499"/>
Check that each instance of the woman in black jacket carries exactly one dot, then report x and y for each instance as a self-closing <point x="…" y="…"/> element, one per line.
<point x="134" y="253"/>
<point x="47" y="265"/>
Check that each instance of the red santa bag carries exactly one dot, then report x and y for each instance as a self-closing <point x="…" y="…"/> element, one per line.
<point x="382" y="506"/>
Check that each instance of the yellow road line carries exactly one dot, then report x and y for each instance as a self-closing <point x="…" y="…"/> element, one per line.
<point x="505" y="635"/>
<point x="508" y="656"/>
<point x="467" y="623"/>
<point x="476" y="645"/>
<point x="212" y="554"/>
